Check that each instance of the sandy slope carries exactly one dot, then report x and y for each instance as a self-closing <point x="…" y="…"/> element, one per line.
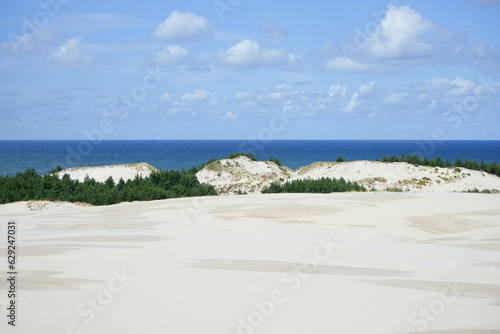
<point x="230" y="175"/>
<point x="39" y="205"/>
<point x="295" y="263"/>
<point x="101" y="173"/>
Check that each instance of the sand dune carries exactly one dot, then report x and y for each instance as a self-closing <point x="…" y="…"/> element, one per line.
<point x="289" y="263"/>
<point x="242" y="174"/>
<point x="101" y="173"/>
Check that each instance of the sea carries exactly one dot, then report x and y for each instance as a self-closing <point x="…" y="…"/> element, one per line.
<point x="178" y="154"/>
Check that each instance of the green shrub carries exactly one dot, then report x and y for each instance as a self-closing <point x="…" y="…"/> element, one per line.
<point x="394" y="189"/>
<point x="275" y="160"/>
<point x="323" y="185"/>
<point x="237" y="154"/>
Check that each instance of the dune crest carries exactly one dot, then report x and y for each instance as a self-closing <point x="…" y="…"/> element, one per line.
<point x="101" y="173"/>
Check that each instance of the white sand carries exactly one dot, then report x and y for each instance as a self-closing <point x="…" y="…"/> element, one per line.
<point x="25" y="206"/>
<point x="102" y="173"/>
<point x="250" y="176"/>
<point x="296" y="263"/>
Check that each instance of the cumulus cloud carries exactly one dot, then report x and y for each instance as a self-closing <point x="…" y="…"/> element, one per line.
<point x="401" y="34"/>
<point x="399" y="38"/>
<point x="395" y="98"/>
<point x="461" y="86"/>
<point x="182" y="27"/>
<point x="249" y="53"/>
<point x="353" y="103"/>
<point x="71" y="54"/>
<point x="358" y="97"/>
<point x="345" y="64"/>
<point x="196" y="96"/>
<point x="337" y="90"/>
<point x="171" y="55"/>
<point x="366" y="88"/>
<point x="456" y="87"/>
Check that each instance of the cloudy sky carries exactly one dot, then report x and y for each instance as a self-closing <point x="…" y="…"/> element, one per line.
<point x="238" y="69"/>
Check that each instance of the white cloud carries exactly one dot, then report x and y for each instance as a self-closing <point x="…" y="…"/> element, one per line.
<point x="461" y="86"/>
<point x="182" y="27"/>
<point x="395" y="98"/>
<point x="399" y="39"/>
<point x="248" y="53"/>
<point x="337" y="90"/>
<point x="71" y="54"/>
<point x="195" y="96"/>
<point x="171" y="55"/>
<point x="434" y="84"/>
<point x="276" y="96"/>
<point x="400" y="34"/>
<point x="366" y="88"/>
<point x="353" y="103"/>
<point x="457" y="87"/>
<point x="230" y="115"/>
<point x="345" y="64"/>
<point x="166" y="97"/>
<point x="242" y="95"/>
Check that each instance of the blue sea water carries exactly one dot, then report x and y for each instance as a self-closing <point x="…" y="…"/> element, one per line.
<point x="178" y="154"/>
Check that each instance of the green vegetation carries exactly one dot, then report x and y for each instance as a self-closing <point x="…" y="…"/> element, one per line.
<point x="215" y="165"/>
<point x="237" y="154"/>
<point x="275" y="160"/>
<point x="55" y="170"/>
<point x="394" y="189"/>
<point x="339" y="159"/>
<point x="159" y="185"/>
<point x="491" y="168"/>
<point x="323" y="185"/>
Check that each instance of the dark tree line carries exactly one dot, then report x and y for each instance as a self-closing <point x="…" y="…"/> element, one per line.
<point x="159" y="185"/>
<point x="491" y="168"/>
<point x="323" y="185"/>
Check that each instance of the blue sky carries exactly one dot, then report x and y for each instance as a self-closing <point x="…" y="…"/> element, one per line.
<point x="239" y="69"/>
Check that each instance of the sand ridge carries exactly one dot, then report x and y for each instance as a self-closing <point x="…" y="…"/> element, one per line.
<point x="241" y="174"/>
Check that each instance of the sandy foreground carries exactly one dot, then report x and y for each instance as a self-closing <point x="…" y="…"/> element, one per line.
<point x="288" y="263"/>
